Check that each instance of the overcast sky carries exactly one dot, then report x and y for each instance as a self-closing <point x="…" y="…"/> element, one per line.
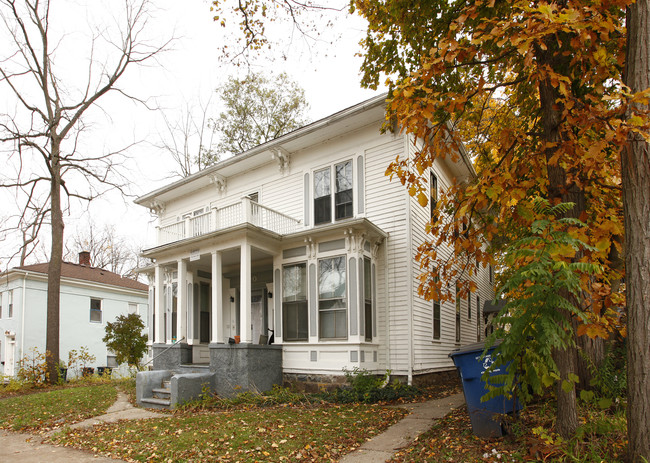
<point x="188" y="74"/>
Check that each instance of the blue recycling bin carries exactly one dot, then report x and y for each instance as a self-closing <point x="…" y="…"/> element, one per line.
<point x="483" y="415"/>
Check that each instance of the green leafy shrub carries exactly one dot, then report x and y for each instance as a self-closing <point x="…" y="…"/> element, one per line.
<point x="278" y="395"/>
<point x="125" y="337"/>
<point x="369" y="388"/>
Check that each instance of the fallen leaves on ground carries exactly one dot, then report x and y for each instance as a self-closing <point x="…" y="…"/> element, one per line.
<point x="315" y="433"/>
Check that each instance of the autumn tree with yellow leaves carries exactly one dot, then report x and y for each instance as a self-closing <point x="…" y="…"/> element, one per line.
<point x="536" y="91"/>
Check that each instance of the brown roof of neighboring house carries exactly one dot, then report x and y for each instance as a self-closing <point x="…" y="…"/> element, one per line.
<point x="83" y="272"/>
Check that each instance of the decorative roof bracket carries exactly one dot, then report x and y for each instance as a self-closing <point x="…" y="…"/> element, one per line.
<point x="283" y="158"/>
<point x="157" y="207"/>
<point x="219" y="181"/>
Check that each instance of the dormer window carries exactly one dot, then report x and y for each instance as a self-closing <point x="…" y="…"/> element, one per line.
<point x="341" y="202"/>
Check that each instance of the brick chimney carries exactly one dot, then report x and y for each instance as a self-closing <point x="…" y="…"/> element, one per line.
<point x="84" y="258"/>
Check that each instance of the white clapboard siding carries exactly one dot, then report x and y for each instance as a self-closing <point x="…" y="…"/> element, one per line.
<point x="386" y="207"/>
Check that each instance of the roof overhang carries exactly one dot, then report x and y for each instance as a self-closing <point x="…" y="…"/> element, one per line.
<point x="347" y="120"/>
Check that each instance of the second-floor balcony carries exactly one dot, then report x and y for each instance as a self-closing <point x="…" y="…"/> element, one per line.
<point x="244" y="211"/>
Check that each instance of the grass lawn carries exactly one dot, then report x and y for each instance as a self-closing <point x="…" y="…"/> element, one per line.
<point x="308" y="433"/>
<point x="56" y="408"/>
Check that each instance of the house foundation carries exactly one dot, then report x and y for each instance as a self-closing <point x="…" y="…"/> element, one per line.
<point x="245" y="367"/>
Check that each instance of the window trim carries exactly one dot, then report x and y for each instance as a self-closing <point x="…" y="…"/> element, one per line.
<point x="10" y="304"/>
<point x="285" y="338"/>
<point x="344" y="299"/>
<point x="332" y="193"/>
<point x="100" y="310"/>
<point x="368" y="301"/>
<point x="433" y="195"/>
<point x="458" y="317"/>
<point x="437" y="321"/>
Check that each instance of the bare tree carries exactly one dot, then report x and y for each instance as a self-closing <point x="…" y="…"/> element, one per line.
<point x="190" y="139"/>
<point x="107" y="249"/>
<point x="44" y="132"/>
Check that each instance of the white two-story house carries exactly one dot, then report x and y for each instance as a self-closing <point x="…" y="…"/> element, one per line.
<point x="90" y="298"/>
<point x="304" y="238"/>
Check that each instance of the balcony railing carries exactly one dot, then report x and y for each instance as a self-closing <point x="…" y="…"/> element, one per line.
<point x="245" y="211"/>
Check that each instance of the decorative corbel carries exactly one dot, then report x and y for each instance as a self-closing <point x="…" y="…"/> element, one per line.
<point x="283" y="158"/>
<point x="157" y="207"/>
<point x="360" y="238"/>
<point x="375" y="247"/>
<point x="311" y="247"/>
<point x="219" y="181"/>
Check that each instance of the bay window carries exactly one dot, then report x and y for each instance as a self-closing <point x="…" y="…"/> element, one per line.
<point x="367" y="299"/>
<point x="295" y="322"/>
<point x="332" y="304"/>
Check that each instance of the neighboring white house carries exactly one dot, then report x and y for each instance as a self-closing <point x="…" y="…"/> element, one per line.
<point x="306" y="235"/>
<point x="90" y="297"/>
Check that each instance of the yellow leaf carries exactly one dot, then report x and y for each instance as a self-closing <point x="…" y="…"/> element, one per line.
<point x="422" y="199"/>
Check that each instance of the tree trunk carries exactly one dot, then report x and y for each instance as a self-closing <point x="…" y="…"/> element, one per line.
<point x="560" y="191"/>
<point x="635" y="168"/>
<point x="54" y="269"/>
<point x="590" y="357"/>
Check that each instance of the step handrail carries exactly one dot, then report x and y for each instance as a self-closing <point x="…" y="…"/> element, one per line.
<point x="160" y="353"/>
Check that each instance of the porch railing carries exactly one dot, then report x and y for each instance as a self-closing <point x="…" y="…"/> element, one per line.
<point x="244" y="211"/>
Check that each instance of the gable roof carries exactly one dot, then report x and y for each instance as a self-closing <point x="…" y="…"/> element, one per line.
<point x="86" y="273"/>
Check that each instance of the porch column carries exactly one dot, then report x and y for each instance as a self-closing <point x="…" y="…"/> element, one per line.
<point x="246" y="331"/>
<point x="159" y="305"/>
<point x="217" y="299"/>
<point x="181" y="315"/>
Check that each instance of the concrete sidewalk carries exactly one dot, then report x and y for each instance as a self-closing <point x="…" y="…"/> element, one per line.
<point x="422" y="416"/>
<point x="29" y="448"/>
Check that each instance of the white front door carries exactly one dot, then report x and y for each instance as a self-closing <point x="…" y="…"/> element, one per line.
<point x="10" y="353"/>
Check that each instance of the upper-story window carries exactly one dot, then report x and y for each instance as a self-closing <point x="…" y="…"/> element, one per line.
<point x="96" y="310"/>
<point x="10" y="305"/>
<point x="339" y="180"/>
<point x="433" y="195"/>
<point x="194" y="213"/>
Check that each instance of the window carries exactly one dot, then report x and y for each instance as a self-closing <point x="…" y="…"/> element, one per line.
<point x="478" y="318"/>
<point x="491" y="273"/>
<point x="433" y="195"/>
<point x="1" y="297"/>
<point x="96" y="310"/>
<point x="367" y="298"/>
<point x="322" y="197"/>
<point x="295" y="322"/>
<point x="436" y="311"/>
<point x="457" y="312"/>
<point x="343" y="196"/>
<point x="469" y="306"/>
<point x="332" y="308"/>
<point x="133" y="307"/>
<point x="10" y="305"/>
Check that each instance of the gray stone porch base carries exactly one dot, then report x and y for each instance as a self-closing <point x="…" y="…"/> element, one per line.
<point x="170" y="357"/>
<point x="245" y="367"/>
<point x="233" y="368"/>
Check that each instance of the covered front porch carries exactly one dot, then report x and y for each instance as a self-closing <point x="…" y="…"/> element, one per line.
<point x="212" y="309"/>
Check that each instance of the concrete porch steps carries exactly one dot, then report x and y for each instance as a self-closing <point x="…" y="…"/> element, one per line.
<point x="159" y="404"/>
<point x="162" y="397"/>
